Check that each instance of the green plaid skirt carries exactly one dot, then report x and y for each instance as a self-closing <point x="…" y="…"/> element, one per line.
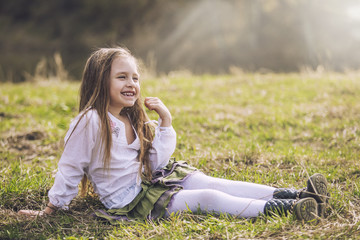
<point x="152" y="201"/>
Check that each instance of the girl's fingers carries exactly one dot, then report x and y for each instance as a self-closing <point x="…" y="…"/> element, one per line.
<point x="31" y="213"/>
<point x="152" y="100"/>
<point x="153" y="103"/>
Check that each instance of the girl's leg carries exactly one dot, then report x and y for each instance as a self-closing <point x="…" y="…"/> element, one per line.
<point x="208" y="200"/>
<point x="240" y="189"/>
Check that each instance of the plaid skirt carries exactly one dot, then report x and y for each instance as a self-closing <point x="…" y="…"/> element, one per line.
<point x="155" y="196"/>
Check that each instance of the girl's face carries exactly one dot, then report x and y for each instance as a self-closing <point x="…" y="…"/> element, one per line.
<point x="124" y="84"/>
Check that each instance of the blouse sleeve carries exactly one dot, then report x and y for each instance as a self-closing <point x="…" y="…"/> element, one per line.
<point x="75" y="158"/>
<point x="163" y="146"/>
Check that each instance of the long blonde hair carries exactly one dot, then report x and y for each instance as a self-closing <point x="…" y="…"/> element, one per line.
<point x="95" y="94"/>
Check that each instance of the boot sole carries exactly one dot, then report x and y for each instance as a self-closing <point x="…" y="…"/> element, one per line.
<point x="306" y="209"/>
<point x="317" y="184"/>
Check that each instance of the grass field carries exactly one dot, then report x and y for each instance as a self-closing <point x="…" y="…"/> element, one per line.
<point x="274" y="129"/>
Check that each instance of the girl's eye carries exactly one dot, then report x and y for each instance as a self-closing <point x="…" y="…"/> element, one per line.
<point x="122" y="76"/>
<point x="136" y="79"/>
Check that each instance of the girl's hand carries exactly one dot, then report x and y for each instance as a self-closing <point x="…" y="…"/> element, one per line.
<point x="50" y="209"/>
<point x="31" y="213"/>
<point x="154" y="103"/>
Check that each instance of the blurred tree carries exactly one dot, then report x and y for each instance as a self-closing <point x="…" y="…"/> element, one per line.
<point x="202" y="36"/>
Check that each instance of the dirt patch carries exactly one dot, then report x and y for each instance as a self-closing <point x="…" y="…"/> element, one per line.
<point x="37" y="135"/>
<point x="29" y="145"/>
<point x="24" y="141"/>
<point x="7" y="115"/>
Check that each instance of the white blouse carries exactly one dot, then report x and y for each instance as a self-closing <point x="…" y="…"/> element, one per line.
<point x="118" y="185"/>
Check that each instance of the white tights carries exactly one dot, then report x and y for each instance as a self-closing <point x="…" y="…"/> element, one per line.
<point x="209" y="194"/>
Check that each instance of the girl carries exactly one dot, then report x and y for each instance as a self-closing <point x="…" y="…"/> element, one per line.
<point x="112" y="144"/>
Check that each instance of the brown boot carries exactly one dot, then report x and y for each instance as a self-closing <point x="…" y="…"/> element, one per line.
<point x="304" y="209"/>
<point x="317" y="189"/>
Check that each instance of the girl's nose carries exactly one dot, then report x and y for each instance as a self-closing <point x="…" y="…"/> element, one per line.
<point x="130" y="82"/>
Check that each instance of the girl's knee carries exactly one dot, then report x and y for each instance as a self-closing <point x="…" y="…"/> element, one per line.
<point x="200" y="196"/>
<point x="200" y="181"/>
<point x="210" y="195"/>
<point x="194" y="200"/>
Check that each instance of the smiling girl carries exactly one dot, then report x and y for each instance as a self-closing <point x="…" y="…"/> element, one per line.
<point x="113" y="144"/>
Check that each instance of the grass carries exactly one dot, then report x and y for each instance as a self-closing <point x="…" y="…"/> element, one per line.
<point x="274" y="129"/>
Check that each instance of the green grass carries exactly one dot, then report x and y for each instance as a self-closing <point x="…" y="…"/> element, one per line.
<point x="274" y="129"/>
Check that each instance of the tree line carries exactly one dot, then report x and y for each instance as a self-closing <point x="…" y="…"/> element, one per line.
<point x="203" y="36"/>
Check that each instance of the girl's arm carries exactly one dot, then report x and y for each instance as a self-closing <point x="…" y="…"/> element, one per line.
<point x="73" y="162"/>
<point x="165" y="136"/>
